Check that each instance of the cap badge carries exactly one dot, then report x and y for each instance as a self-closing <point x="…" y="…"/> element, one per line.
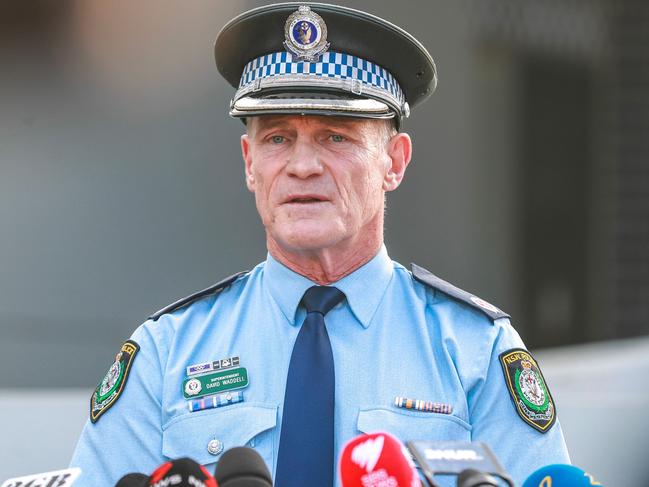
<point x="306" y="35"/>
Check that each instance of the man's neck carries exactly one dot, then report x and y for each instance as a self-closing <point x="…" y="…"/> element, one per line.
<point x="325" y="266"/>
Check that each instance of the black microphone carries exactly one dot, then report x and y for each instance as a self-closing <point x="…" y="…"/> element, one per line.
<point x="242" y="467"/>
<point x="475" y="478"/>
<point x="183" y="472"/>
<point x="133" y="480"/>
<point x="444" y="458"/>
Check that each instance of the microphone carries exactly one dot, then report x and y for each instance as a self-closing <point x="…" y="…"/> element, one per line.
<point x="183" y="472"/>
<point x="57" y="478"/>
<point x="133" y="480"/>
<point x="443" y="458"/>
<point x="560" y="475"/>
<point x="474" y="478"/>
<point x="242" y="467"/>
<point x="377" y="460"/>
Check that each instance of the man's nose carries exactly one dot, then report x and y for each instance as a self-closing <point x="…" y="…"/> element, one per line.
<point x="304" y="160"/>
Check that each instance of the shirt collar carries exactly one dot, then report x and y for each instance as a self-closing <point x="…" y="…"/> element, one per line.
<point x="288" y="287"/>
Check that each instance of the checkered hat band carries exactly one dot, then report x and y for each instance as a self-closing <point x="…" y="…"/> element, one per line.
<point x="331" y="64"/>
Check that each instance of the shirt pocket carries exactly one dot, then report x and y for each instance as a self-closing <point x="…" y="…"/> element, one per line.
<point x="413" y="425"/>
<point x="205" y="435"/>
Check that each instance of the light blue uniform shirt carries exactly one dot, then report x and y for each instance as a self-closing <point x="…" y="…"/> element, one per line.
<point x="392" y="336"/>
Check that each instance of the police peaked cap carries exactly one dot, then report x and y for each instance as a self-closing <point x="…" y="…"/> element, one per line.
<point x="315" y="58"/>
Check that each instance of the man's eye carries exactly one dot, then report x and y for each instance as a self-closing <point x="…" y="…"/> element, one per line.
<point x="337" y="138"/>
<point x="277" y="139"/>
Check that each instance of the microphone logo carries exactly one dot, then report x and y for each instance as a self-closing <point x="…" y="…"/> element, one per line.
<point x="175" y="479"/>
<point x="367" y="454"/>
<point x="450" y="454"/>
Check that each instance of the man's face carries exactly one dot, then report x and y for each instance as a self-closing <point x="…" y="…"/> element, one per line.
<point x="319" y="182"/>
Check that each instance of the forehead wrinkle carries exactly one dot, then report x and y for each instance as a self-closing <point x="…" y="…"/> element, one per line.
<point x="271" y="121"/>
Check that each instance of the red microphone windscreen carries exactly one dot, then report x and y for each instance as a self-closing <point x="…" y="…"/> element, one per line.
<point x="159" y="473"/>
<point x="377" y="460"/>
<point x="183" y="472"/>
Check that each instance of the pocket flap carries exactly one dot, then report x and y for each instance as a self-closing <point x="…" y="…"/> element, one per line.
<point x="413" y="425"/>
<point x="190" y="434"/>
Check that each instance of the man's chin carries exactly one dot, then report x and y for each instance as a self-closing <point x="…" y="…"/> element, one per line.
<point x="305" y="238"/>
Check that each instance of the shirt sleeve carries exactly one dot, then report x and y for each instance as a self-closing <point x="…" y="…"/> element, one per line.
<point x="127" y="437"/>
<point x="519" y="447"/>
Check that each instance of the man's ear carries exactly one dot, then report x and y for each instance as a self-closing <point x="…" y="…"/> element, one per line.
<point x="399" y="152"/>
<point x="247" y="159"/>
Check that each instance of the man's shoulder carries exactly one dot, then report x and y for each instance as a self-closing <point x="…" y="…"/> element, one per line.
<point x="438" y="285"/>
<point x="199" y="295"/>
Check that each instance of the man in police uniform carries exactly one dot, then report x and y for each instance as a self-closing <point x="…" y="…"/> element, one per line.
<point x="328" y="338"/>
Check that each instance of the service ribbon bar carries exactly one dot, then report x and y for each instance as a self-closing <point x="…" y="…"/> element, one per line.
<point x="426" y="406"/>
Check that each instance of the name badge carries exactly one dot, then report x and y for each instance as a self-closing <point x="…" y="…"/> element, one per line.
<point x="215" y="382"/>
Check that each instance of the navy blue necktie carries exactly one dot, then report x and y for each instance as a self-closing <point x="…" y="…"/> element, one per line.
<point x="306" y="446"/>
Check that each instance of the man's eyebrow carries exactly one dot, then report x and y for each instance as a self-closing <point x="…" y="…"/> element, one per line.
<point x="268" y="123"/>
<point x="342" y="122"/>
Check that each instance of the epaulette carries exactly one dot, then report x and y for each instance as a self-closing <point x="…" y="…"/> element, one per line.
<point x="429" y="279"/>
<point x="196" y="296"/>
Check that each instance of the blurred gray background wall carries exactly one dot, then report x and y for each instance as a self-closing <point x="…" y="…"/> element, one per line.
<point x="121" y="181"/>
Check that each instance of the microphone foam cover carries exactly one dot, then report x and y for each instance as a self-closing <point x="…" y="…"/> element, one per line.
<point x="181" y="472"/>
<point x="133" y="480"/>
<point x="242" y="467"/>
<point x="560" y="475"/>
<point x="375" y="460"/>
<point x="475" y="478"/>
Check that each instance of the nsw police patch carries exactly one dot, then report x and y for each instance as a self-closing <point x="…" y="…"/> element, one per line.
<point x="112" y="385"/>
<point x="528" y="389"/>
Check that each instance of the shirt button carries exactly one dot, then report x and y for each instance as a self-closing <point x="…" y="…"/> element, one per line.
<point x="214" y="447"/>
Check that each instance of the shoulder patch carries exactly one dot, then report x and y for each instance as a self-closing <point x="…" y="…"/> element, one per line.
<point x="110" y="388"/>
<point x="528" y="389"/>
<point x="431" y="280"/>
<point x="196" y="296"/>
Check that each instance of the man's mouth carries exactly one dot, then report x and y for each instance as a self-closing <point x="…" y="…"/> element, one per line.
<point x="305" y="199"/>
